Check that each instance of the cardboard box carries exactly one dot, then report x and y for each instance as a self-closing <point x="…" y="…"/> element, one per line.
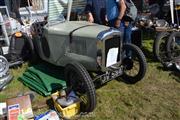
<point x="19" y="106"/>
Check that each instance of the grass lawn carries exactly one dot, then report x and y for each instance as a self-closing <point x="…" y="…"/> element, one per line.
<point x="156" y="97"/>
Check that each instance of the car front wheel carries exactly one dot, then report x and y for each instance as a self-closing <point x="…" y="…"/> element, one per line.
<point x="134" y="64"/>
<point x="79" y="80"/>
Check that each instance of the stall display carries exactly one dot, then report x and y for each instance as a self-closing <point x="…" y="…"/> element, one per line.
<point x="80" y="47"/>
<point x="15" y="47"/>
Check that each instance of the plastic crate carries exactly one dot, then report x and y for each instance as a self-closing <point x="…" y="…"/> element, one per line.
<point x="68" y="111"/>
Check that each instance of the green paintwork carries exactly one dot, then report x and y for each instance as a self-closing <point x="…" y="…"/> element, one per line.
<point x="73" y="41"/>
<point x="84" y="29"/>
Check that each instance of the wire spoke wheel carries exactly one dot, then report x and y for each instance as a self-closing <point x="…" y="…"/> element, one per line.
<point x="134" y="70"/>
<point x="134" y="64"/>
<point x="159" y="47"/>
<point x="173" y="45"/>
<point x="4" y="66"/>
<point x="79" y="80"/>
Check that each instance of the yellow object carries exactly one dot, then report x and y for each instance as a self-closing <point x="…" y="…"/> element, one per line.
<point x="18" y="34"/>
<point x="68" y="111"/>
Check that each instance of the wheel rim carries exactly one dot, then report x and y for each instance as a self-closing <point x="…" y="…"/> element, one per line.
<point x="75" y="83"/>
<point x="132" y="66"/>
<point x="175" y="47"/>
<point x="162" y="49"/>
<point x="3" y="66"/>
<point x="136" y="56"/>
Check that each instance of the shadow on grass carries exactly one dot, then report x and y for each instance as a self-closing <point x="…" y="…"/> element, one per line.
<point x="149" y="55"/>
<point x="176" y="75"/>
<point x="148" y="41"/>
<point x="162" y="68"/>
<point x="50" y="104"/>
<point x="99" y="85"/>
<point x="174" y="72"/>
<point x="126" y="80"/>
<point x="148" y="34"/>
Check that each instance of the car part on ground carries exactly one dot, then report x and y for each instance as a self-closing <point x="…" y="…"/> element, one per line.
<point x="4" y="66"/>
<point x="173" y="65"/>
<point x="146" y="21"/>
<point x="5" y="76"/>
<point x="21" y="49"/>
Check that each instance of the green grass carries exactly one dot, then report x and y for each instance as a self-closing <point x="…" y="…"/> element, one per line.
<point x="156" y="97"/>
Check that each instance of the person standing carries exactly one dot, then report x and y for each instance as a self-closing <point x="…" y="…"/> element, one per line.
<point x="15" y="8"/>
<point x="115" y="10"/>
<point x="96" y="11"/>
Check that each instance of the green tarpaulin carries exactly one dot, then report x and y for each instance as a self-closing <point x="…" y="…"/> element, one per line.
<point x="43" y="79"/>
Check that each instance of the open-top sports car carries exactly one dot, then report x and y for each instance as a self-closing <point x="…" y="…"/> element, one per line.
<point x="90" y="53"/>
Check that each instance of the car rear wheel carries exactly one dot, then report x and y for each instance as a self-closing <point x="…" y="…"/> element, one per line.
<point x="79" y="80"/>
<point x="134" y="65"/>
<point x="173" y="45"/>
<point x="159" y="46"/>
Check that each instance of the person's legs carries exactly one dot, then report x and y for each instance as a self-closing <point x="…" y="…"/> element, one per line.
<point x="15" y="9"/>
<point x="127" y="31"/>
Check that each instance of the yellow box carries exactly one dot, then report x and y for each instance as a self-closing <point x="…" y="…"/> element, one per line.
<point x="68" y="111"/>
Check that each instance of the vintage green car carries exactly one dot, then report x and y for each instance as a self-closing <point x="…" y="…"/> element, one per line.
<point x="91" y="54"/>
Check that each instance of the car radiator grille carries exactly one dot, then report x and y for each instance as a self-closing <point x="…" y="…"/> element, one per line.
<point x="112" y="43"/>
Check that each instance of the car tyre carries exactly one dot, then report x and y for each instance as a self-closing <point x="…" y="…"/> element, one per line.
<point x="79" y="80"/>
<point x="130" y="66"/>
<point x="159" y="46"/>
<point x="173" y="45"/>
<point x="1" y="51"/>
<point x="33" y="58"/>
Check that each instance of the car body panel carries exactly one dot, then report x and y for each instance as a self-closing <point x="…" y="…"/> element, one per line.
<point x="70" y="41"/>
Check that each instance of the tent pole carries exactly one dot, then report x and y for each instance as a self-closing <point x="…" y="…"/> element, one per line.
<point x="172" y="10"/>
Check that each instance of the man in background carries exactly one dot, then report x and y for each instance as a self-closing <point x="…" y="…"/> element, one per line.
<point x="116" y="18"/>
<point x="13" y="8"/>
<point x="96" y="11"/>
